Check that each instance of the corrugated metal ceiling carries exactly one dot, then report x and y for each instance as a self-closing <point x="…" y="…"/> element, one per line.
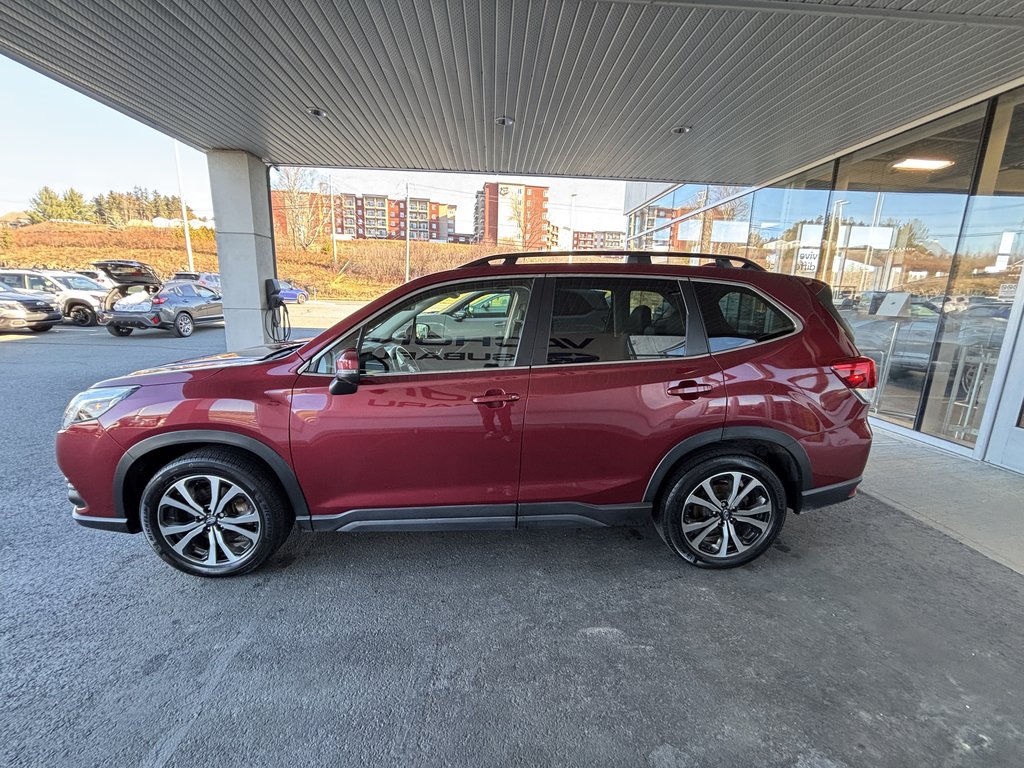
<point x="595" y="87"/>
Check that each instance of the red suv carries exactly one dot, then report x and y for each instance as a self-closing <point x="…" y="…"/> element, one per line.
<point x="507" y="393"/>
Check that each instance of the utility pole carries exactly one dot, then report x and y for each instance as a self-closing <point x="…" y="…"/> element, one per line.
<point x="408" y="223"/>
<point x="184" y="209"/>
<point x="572" y="224"/>
<point x="334" y="222"/>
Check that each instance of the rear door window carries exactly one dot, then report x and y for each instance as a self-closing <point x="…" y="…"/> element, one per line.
<point x="737" y="316"/>
<point x="614" y="319"/>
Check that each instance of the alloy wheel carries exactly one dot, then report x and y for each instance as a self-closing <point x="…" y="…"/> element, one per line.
<point x="184" y="323"/>
<point x="209" y="521"/>
<point x="727" y="514"/>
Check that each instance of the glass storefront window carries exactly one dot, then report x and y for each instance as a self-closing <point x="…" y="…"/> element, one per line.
<point x="787" y="222"/>
<point x="986" y="275"/>
<point x="893" y="221"/>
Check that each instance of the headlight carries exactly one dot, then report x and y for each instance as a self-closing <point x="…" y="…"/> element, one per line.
<point x="93" y="403"/>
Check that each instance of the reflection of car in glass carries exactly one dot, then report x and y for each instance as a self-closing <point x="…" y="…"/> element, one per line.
<point x="292" y="293"/>
<point x="22" y="310"/>
<point x="916" y="336"/>
<point x="177" y="305"/>
<point x="712" y="400"/>
<point x="78" y="297"/>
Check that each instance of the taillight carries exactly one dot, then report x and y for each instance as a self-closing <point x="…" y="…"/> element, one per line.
<point x="159" y="299"/>
<point x="857" y="372"/>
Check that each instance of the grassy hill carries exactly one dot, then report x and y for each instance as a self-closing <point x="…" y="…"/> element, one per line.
<point x="366" y="268"/>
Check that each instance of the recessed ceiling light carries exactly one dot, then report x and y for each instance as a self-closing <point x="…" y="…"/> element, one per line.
<point x="680" y="129"/>
<point x="317" y="111"/>
<point x="922" y="164"/>
<point x="504" y="121"/>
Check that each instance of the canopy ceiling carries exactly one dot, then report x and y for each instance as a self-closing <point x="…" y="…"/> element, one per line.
<point x="594" y="87"/>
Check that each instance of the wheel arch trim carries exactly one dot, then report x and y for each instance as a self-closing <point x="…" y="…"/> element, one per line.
<point x="713" y="436"/>
<point x="281" y="469"/>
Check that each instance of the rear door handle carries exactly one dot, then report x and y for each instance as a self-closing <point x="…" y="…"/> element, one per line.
<point x="495" y="398"/>
<point x="689" y="390"/>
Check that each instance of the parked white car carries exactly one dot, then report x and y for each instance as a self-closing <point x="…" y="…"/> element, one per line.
<point x="78" y="297"/>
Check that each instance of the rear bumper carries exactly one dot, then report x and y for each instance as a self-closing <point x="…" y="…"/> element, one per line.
<point x="132" y="319"/>
<point x="829" y="494"/>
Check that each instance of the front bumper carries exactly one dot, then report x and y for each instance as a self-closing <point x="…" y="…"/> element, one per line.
<point x="11" y="319"/>
<point x="151" y="319"/>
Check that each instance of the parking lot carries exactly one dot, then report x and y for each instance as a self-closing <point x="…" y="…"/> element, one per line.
<point x="864" y="638"/>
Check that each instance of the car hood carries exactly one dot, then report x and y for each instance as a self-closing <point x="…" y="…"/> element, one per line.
<point x="23" y="296"/>
<point x="198" y="368"/>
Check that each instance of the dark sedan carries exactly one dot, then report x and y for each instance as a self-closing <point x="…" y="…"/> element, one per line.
<point x="177" y="306"/>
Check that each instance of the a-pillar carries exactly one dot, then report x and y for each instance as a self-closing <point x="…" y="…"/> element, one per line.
<point x="240" y="185"/>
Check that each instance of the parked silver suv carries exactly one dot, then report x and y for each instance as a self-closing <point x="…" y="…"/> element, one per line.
<point x="78" y="298"/>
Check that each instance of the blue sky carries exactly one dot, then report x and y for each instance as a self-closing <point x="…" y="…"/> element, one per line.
<point x="52" y="135"/>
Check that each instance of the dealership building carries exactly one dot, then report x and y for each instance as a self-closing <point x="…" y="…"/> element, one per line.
<point x="921" y="236"/>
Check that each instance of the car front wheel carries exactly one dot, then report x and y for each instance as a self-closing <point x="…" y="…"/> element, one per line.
<point x="722" y="511"/>
<point x="213" y="512"/>
<point x="183" y="324"/>
<point x="82" y="316"/>
<point x="40" y="328"/>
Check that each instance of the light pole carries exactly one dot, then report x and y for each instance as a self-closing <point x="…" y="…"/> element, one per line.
<point x="572" y="225"/>
<point x="184" y="209"/>
<point x="334" y="222"/>
<point x="407" y="240"/>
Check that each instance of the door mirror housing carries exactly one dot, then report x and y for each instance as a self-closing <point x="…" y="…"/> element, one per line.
<point x="346" y="373"/>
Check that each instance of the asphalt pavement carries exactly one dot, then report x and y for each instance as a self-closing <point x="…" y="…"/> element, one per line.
<point x="863" y="638"/>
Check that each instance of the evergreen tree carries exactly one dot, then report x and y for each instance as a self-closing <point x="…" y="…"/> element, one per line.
<point x="76" y="208"/>
<point x="46" y="206"/>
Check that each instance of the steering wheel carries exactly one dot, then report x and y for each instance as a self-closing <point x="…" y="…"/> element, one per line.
<point x="402" y="359"/>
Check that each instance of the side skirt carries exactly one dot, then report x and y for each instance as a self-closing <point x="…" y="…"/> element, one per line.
<point x="476" y="517"/>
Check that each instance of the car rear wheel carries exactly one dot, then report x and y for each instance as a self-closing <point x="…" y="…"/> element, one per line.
<point x="722" y="511"/>
<point x="82" y="316"/>
<point x="119" y="330"/>
<point x="40" y="328"/>
<point x="301" y="298"/>
<point x="213" y="512"/>
<point x="183" y="324"/>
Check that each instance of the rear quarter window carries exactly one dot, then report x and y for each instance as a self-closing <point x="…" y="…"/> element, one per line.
<point x="736" y="316"/>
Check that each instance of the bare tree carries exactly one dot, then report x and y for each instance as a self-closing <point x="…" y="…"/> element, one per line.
<point x="304" y="211"/>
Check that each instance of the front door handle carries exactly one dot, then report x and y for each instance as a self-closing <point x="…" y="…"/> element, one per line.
<point x="495" y="398"/>
<point x="689" y="390"/>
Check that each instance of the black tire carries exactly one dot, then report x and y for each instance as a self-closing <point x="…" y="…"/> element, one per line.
<point x="260" y="498"/>
<point x="301" y="298"/>
<point x="81" y="315"/>
<point x="40" y="328"/>
<point x="184" y="325"/>
<point x="746" y="536"/>
<point x="119" y="330"/>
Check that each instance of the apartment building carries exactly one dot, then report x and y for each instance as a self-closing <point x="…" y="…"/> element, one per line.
<point x="513" y="216"/>
<point x="604" y="240"/>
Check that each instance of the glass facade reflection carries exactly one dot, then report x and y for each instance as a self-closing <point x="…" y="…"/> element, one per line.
<point x="921" y="237"/>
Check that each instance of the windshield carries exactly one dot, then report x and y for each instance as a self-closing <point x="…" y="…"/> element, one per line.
<point x="79" y="283"/>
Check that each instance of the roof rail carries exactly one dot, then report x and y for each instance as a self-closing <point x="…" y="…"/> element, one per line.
<point x="628" y="257"/>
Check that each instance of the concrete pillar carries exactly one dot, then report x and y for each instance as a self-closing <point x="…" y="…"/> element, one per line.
<point x="240" y="184"/>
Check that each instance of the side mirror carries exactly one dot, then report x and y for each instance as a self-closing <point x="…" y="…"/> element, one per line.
<point x="460" y="315"/>
<point x="346" y="373"/>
